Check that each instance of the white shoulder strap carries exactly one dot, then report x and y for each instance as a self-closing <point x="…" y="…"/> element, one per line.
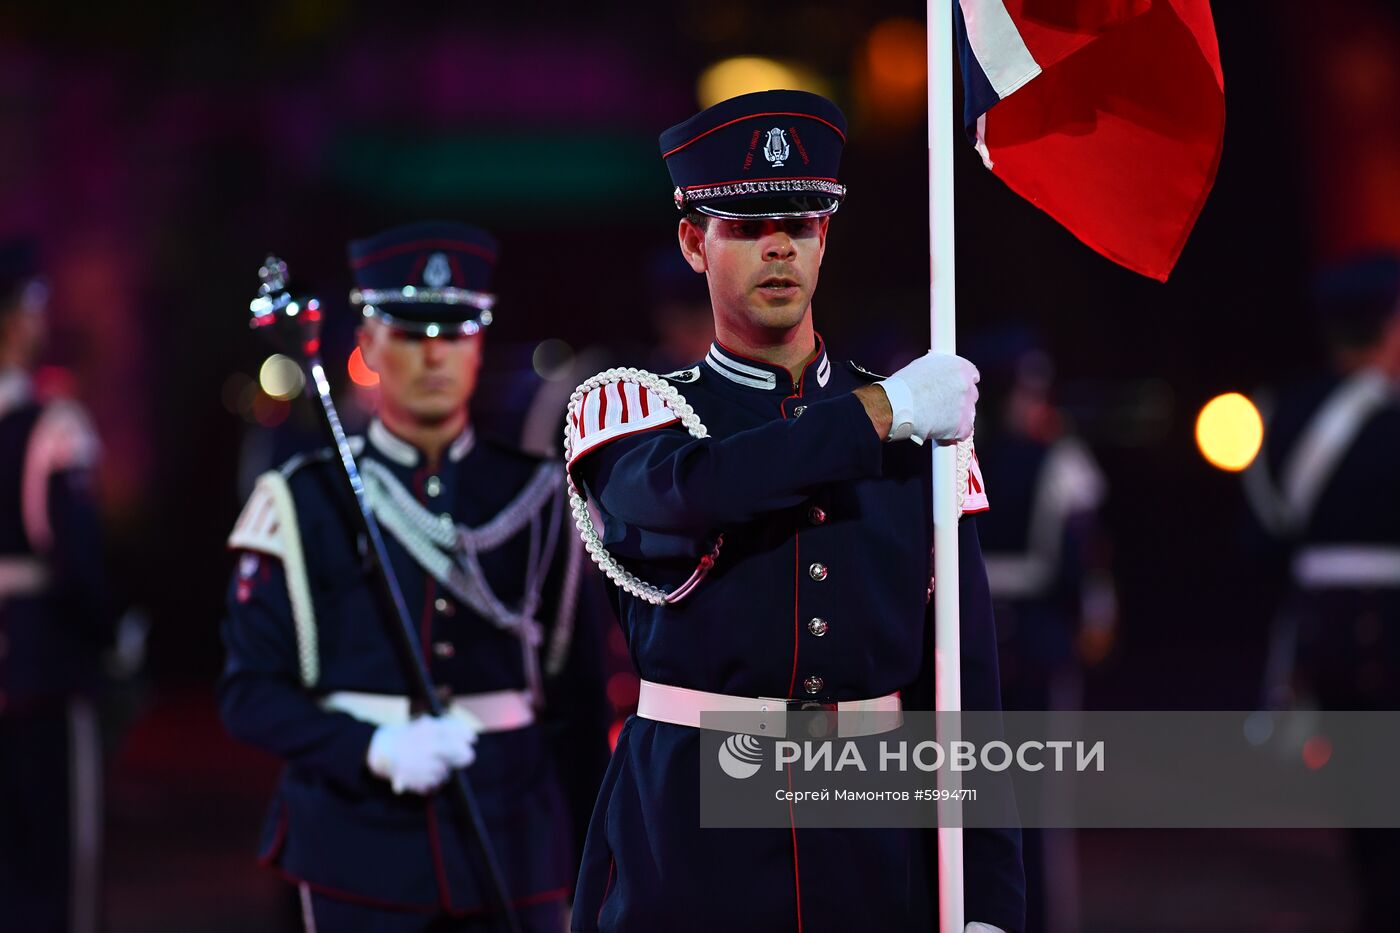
<point x="268" y="525"/>
<point x="1327" y="439"/>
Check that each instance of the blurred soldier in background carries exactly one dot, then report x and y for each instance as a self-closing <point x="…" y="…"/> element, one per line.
<point x="683" y="327"/>
<point x="54" y="626"/>
<point x="1047" y="558"/>
<point x="681" y="315"/>
<point x="1326" y="490"/>
<point x="481" y="544"/>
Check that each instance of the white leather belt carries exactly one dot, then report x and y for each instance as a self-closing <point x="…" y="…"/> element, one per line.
<point x="497" y="711"/>
<point x="22" y="576"/>
<point x="683" y="707"/>
<point x="1347" y="566"/>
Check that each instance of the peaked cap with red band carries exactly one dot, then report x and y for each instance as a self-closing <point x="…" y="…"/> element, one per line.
<point x="768" y="154"/>
<point x="432" y="277"/>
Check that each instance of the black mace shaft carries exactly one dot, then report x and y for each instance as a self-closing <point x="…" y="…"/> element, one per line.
<point x="295" y="326"/>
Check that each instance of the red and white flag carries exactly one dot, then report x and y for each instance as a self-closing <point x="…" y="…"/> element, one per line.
<point x="1109" y="115"/>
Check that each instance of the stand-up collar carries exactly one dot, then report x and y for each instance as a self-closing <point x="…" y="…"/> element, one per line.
<point x="767" y="377"/>
<point x="397" y="450"/>
<point x="15" y="388"/>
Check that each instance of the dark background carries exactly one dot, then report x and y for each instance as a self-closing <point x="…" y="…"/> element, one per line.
<point x="160" y="150"/>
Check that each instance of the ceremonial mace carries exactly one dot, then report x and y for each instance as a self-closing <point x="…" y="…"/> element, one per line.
<point x="294" y="327"/>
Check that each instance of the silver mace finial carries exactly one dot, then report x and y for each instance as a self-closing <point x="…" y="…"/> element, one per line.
<point x="272" y="275"/>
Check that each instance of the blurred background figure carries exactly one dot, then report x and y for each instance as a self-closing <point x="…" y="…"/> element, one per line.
<point x="478" y="538"/>
<point x="676" y="333"/>
<point x="680" y="312"/>
<point x="54" y="626"/>
<point x="1325" y="492"/>
<point x="1047" y="557"/>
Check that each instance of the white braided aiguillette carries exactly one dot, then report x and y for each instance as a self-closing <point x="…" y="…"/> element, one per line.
<point x="963" y="470"/>
<point x="592" y="542"/>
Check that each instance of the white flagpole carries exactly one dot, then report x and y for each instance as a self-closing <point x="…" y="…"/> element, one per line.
<point x="943" y="331"/>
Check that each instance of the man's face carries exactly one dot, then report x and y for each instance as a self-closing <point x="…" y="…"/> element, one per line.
<point x="426" y="380"/>
<point x="761" y="273"/>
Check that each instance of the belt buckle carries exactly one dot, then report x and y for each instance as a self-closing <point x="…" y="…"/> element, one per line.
<point x="817" y="727"/>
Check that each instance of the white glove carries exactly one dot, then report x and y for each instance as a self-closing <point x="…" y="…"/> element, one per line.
<point x="416" y="756"/>
<point x="976" y="927"/>
<point x="933" y="397"/>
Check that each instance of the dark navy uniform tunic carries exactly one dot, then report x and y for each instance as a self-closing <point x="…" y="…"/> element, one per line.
<point x="333" y="824"/>
<point x="54" y="625"/>
<point x="821" y="589"/>
<point x="52" y="619"/>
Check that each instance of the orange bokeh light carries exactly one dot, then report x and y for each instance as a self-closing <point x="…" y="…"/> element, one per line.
<point x="897" y="57"/>
<point x="891" y="73"/>
<point x="360" y="373"/>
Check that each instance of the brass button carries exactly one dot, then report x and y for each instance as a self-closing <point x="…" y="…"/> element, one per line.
<point x="813" y="684"/>
<point x="797" y="412"/>
<point x="817" y="571"/>
<point x="433" y="486"/>
<point x="816" y="515"/>
<point x="444" y="649"/>
<point x="817" y="627"/>
<point x="444" y="606"/>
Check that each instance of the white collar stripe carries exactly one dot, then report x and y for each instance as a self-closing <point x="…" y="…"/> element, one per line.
<point x="762" y="380"/>
<point x="15" y="389"/>
<point x="737" y="364"/>
<point x="463" y="444"/>
<point x="396" y="449"/>
<point x="400" y="451"/>
<point x="736" y="370"/>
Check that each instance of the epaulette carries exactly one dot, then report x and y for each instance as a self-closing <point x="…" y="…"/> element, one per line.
<point x="616" y="403"/>
<point x="864" y="373"/>
<point x="613" y="404"/>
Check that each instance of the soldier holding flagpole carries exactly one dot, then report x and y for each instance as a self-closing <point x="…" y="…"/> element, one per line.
<point x="767" y="524"/>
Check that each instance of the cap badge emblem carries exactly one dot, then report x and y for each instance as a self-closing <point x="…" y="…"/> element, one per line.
<point x="776" y="149"/>
<point x="437" y="272"/>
